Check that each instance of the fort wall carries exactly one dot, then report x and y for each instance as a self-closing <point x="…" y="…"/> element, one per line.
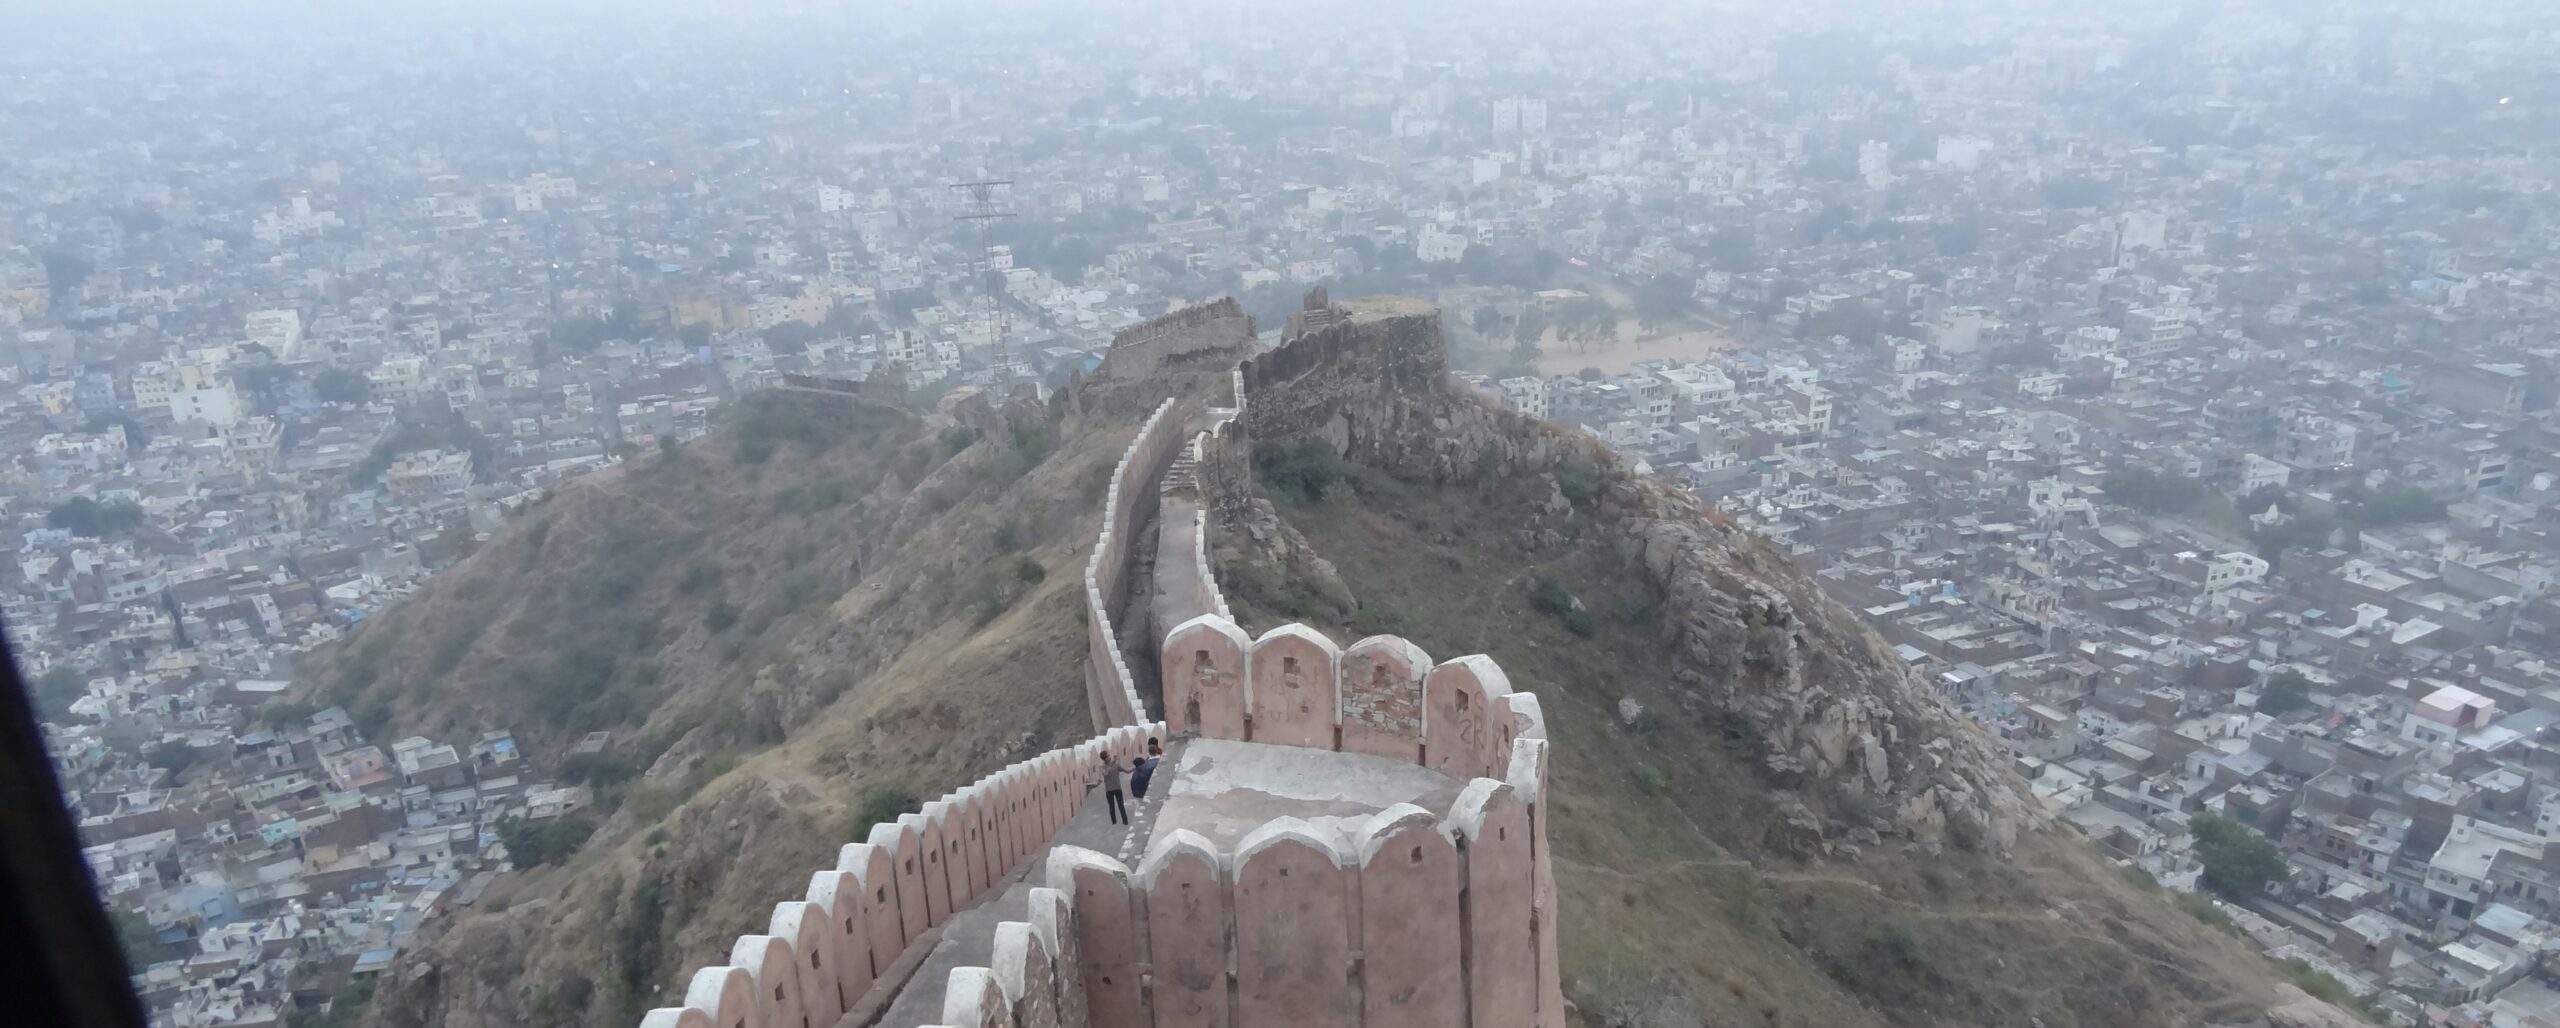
<point x="824" y="952"/>
<point x="1112" y="693"/>
<point x="1406" y="916"/>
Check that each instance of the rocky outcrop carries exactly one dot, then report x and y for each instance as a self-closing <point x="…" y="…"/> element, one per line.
<point x="1837" y="719"/>
<point x="1760" y="647"/>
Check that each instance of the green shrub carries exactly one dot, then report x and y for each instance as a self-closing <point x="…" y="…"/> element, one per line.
<point x="1579" y="481"/>
<point x="1895" y="945"/>
<point x="1268" y="587"/>
<point x="530" y="843"/>
<point x="1964" y="833"/>
<point x="1016" y="532"/>
<point x="635" y="944"/>
<point x="2203" y="909"/>
<point x="719" y="616"/>
<point x="1298" y="471"/>
<point x="1549" y="597"/>
<point x="1653" y="780"/>
<point x="883" y="804"/>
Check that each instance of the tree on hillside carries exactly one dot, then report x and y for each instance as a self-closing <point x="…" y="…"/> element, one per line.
<point x="65" y="270"/>
<point x="1664" y="299"/>
<point x="2152" y="492"/>
<point x="54" y="691"/>
<point x="1731" y="250"/>
<point x="1587" y="320"/>
<point x="1486" y="321"/>
<point x="171" y="756"/>
<point x="82" y="516"/>
<point x="695" y="336"/>
<point x="2391" y="505"/>
<point x="788" y="336"/>
<point x="261" y="382"/>
<point x="341" y="385"/>
<point x="2238" y="860"/>
<point x="549" y="841"/>
<point x="2287" y="690"/>
<point x="140" y="942"/>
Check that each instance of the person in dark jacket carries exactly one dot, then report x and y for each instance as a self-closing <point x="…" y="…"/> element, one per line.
<point x="1144" y="772"/>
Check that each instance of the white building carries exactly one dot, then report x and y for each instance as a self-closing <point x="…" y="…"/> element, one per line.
<point x="2257" y="472"/>
<point x="2233" y="569"/>
<point x="1526" y="394"/>
<point x="1702" y="387"/>
<point x="1438" y="246"/>
<point x="1960" y="329"/>
<point x="214" y="403"/>
<point x="279" y="330"/>
<point x="1875" y="163"/>
<point x="397" y="380"/>
<point x="1962" y="153"/>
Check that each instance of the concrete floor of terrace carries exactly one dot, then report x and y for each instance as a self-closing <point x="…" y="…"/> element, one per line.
<point x="1221" y="789"/>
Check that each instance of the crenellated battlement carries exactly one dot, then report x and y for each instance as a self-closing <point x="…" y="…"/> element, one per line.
<point x="1337" y="836"/>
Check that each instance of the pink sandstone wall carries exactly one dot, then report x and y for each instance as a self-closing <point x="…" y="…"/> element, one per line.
<point x="805" y="927"/>
<point x="1188" y="913"/>
<point x="838" y="895"/>
<point x="1204" y="678"/>
<point x="1105" y="928"/>
<point x="1410" y="939"/>
<point x="1462" y="732"/>
<point x="1112" y="695"/>
<point x="1502" y="965"/>
<point x="1289" y="684"/>
<point x="1294" y="908"/>
<point x="823" y="952"/>
<point x="1382" y="698"/>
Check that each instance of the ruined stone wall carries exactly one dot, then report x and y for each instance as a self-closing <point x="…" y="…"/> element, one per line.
<point x="1328" y="382"/>
<point x="1211" y="336"/>
<point x="837" y="948"/>
<point x="1112" y="694"/>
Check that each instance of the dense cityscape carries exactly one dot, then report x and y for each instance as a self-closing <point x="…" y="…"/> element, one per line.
<point x="2174" y="390"/>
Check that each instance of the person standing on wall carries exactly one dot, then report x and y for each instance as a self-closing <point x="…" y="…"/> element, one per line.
<point x="1113" y="780"/>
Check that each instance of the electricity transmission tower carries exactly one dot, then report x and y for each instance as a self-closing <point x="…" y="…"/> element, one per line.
<point x="979" y="203"/>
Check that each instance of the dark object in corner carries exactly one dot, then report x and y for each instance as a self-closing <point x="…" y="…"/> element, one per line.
<point x="66" y="968"/>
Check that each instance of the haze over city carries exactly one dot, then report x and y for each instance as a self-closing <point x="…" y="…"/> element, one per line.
<point x="505" y="493"/>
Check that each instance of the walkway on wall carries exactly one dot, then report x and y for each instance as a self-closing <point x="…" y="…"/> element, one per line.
<point x="968" y="939"/>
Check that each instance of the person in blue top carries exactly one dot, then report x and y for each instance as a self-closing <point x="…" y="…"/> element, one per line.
<point x="1145" y="769"/>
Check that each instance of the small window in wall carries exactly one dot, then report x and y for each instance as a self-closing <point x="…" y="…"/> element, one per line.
<point x="777" y="994"/>
<point x="813" y="958"/>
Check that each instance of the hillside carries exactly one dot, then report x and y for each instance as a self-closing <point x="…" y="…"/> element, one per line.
<point x="830" y="606"/>
<point x="1758" y="819"/>
<point x="823" y="603"/>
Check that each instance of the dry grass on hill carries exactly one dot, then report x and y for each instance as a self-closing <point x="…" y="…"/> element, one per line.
<point x="1678" y="907"/>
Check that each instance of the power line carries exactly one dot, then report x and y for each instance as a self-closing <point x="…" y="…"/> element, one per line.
<point x="982" y="205"/>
